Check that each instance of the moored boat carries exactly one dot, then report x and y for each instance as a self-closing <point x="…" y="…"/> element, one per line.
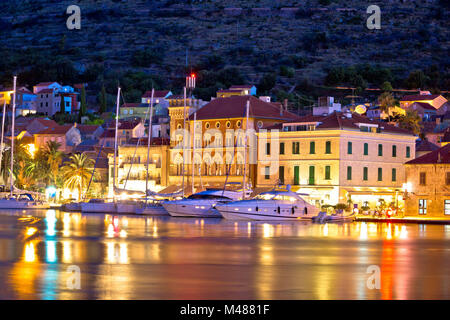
<point x="273" y="205"/>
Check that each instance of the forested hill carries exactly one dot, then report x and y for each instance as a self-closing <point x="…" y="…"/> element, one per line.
<point x="284" y="46"/>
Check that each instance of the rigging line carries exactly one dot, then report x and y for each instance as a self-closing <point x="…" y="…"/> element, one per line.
<point x="135" y="149"/>
<point x="232" y="157"/>
<point x="93" y="172"/>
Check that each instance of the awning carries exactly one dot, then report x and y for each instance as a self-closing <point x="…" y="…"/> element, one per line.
<point x="376" y="191"/>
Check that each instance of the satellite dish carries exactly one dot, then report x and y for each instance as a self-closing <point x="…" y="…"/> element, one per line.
<point x="361" y="109"/>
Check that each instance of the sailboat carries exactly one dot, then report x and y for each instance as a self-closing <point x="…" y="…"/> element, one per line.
<point x="203" y="204"/>
<point x="24" y="200"/>
<point x="105" y="205"/>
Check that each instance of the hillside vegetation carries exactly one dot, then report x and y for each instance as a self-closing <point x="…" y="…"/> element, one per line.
<point x="290" y="53"/>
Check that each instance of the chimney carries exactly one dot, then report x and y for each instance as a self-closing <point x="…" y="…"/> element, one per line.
<point x="285" y="104"/>
<point x="439" y="157"/>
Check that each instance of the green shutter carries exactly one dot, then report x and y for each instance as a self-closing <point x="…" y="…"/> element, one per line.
<point x="394" y="151"/>
<point x="394" y="174"/>
<point x="312" y="147"/>
<point x="366" y="149"/>
<point x="365" y="174"/>
<point x="349" y="173"/>
<point x="380" y="174"/>
<point x="349" y="148"/>
<point x="380" y="150"/>
<point x="296" y="175"/>
<point x="282" y="148"/>
<point x="327" y="172"/>
<point x="281" y="174"/>
<point x="328" y="147"/>
<point x="311" y="175"/>
<point x="408" y="152"/>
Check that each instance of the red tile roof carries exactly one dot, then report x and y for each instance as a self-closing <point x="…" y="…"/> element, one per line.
<point x="57" y="130"/>
<point x="157" y="94"/>
<point x="46" y="122"/>
<point x="108" y="134"/>
<point x="426" y="145"/>
<point x="124" y="124"/>
<point x="235" y="107"/>
<point x="45" y="91"/>
<point x="45" y="84"/>
<point x="441" y="155"/>
<point x="425" y="105"/>
<point x="87" y="128"/>
<point x="245" y="86"/>
<point x="420" y="97"/>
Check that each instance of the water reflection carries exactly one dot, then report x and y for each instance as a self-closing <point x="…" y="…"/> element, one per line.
<point x="132" y="257"/>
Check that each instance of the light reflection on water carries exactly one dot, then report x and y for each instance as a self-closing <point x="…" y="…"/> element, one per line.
<point x="130" y="257"/>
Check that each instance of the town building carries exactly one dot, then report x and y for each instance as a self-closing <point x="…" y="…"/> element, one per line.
<point x="127" y="130"/>
<point x="339" y="158"/>
<point x="68" y="136"/>
<point x="237" y="90"/>
<point x="90" y="132"/>
<point x="50" y="95"/>
<point x="424" y="146"/>
<point x="427" y="187"/>
<point x="425" y="110"/>
<point x="219" y="140"/>
<point x="132" y="165"/>
<point x="435" y="100"/>
<point x="326" y="106"/>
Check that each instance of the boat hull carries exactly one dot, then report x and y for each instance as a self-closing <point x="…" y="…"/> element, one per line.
<point x="98" y="207"/>
<point x="230" y="215"/>
<point x="125" y="208"/>
<point x="194" y="211"/>
<point x="19" y="205"/>
<point x="152" y="211"/>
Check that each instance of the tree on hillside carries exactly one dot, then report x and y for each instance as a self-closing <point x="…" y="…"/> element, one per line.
<point x="83" y="106"/>
<point x="103" y="100"/>
<point x="386" y="86"/>
<point x="416" y="80"/>
<point x="62" y="108"/>
<point x="266" y="83"/>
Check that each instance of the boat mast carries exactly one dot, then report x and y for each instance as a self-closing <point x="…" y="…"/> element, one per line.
<point x="3" y="132"/>
<point x="13" y="116"/>
<point x="115" y="143"/>
<point x="193" y="153"/>
<point x="244" y="186"/>
<point x="184" y="136"/>
<point x="149" y="142"/>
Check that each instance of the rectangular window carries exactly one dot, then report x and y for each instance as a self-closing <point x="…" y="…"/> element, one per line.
<point x="311" y="175"/>
<point x="380" y="174"/>
<point x="312" y="147"/>
<point x="394" y="151"/>
<point x="365" y="173"/>
<point x="349" y="173"/>
<point x="349" y="148"/>
<point x="394" y="175"/>
<point x="267" y="173"/>
<point x="328" y="147"/>
<point x="281" y="174"/>
<point x="296" y="175"/>
<point x="422" y="206"/>
<point x="268" y="148"/>
<point x="408" y="152"/>
<point x="366" y="149"/>
<point x="423" y="179"/>
<point x="295" y="147"/>
<point x="380" y="150"/>
<point x="447" y="178"/>
<point x="327" y="173"/>
<point x="447" y="207"/>
<point x="281" y="147"/>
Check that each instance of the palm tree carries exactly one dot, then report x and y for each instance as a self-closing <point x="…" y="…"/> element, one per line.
<point x="386" y="101"/>
<point x="54" y="158"/>
<point x="77" y="171"/>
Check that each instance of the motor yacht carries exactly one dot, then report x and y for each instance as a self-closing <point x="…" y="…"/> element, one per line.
<point x="283" y="205"/>
<point x="201" y="204"/>
<point x="151" y="208"/>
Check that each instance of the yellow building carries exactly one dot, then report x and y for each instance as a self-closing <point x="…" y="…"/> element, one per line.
<point x="427" y="188"/>
<point x="219" y="142"/>
<point x="132" y="166"/>
<point x="435" y="100"/>
<point x="338" y="157"/>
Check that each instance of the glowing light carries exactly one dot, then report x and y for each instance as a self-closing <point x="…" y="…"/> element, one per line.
<point x="110" y="231"/>
<point x="407" y="187"/>
<point x="30" y="231"/>
<point x="51" y="251"/>
<point x="31" y="149"/>
<point x="30" y="252"/>
<point x="123" y="233"/>
<point x="267" y="230"/>
<point x="363" y="231"/>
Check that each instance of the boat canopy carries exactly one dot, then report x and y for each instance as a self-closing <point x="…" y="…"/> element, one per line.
<point x="279" y="195"/>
